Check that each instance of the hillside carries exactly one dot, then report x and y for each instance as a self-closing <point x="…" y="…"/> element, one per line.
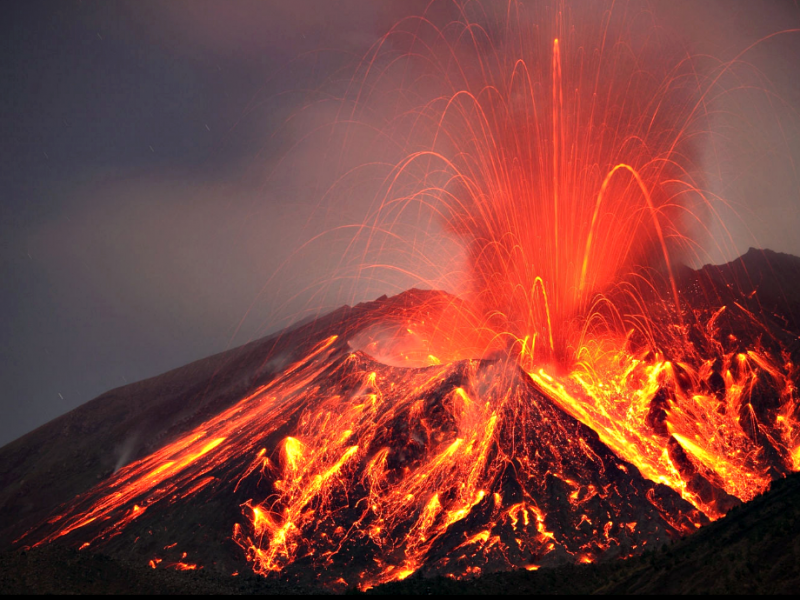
<point x="755" y="549"/>
<point x="322" y="456"/>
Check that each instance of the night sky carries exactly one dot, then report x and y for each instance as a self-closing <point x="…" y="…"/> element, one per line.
<point x="145" y="211"/>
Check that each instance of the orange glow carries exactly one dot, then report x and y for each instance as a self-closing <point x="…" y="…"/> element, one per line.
<point x="577" y="369"/>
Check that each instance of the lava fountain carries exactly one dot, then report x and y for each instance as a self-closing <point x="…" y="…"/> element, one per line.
<point x="582" y="397"/>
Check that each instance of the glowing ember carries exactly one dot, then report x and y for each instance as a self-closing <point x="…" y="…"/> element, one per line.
<point x="584" y="398"/>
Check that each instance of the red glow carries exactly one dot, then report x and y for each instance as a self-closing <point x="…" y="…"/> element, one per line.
<point x="564" y="166"/>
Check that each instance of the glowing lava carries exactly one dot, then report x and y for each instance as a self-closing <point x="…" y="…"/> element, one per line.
<point x="583" y="398"/>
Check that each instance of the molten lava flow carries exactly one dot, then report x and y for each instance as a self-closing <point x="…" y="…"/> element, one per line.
<point x="622" y="405"/>
<point x="583" y="398"/>
<point x="365" y="473"/>
<point x="369" y="473"/>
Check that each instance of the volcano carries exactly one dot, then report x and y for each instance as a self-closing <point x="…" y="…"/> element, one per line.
<point x="345" y="450"/>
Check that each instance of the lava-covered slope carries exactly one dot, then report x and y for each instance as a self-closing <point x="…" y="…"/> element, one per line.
<point x="755" y="549"/>
<point x="298" y="454"/>
<point x="67" y="456"/>
<point x="363" y="473"/>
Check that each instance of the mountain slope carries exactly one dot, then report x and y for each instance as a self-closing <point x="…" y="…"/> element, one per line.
<point x="755" y="549"/>
<point x="299" y="453"/>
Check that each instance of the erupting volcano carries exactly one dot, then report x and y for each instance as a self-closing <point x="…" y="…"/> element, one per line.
<point x="583" y="396"/>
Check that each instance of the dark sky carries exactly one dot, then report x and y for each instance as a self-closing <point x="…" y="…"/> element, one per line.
<point x="138" y="227"/>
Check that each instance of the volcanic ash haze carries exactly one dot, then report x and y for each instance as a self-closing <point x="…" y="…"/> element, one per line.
<point x="583" y="397"/>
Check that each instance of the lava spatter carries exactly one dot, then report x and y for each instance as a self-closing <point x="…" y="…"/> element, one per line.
<point x="584" y="397"/>
<point x="460" y="468"/>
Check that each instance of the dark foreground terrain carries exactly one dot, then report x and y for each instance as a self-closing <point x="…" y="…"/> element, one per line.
<point x="754" y="550"/>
